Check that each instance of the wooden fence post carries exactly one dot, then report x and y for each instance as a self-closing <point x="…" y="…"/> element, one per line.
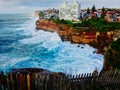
<point x="11" y="81"/>
<point x="21" y="82"/>
<point x="18" y="80"/>
<point x="28" y="81"/>
<point x="24" y="81"/>
<point x="3" y="81"/>
<point x="8" y="81"/>
<point x="46" y="84"/>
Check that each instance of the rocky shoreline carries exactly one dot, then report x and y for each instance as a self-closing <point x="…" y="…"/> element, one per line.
<point x="95" y="39"/>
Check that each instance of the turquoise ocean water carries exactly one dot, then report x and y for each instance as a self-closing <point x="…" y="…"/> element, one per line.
<point x="22" y="46"/>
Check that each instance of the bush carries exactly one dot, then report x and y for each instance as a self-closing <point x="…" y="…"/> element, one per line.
<point x="101" y="24"/>
<point x="113" y="55"/>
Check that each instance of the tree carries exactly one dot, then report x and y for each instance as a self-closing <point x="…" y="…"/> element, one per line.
<point x="93" y="8"/>
<point x="41" y="14"/>
<point x="103" y="13"/>
<point x="88" y="11"/>
<point x="103" y="10"/>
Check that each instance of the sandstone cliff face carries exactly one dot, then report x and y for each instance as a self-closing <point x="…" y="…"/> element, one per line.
<point x="47" y="25"/>
<point x="112" y="56"/>
<point x="98" y="40"/>
<point x="66" y="32"/>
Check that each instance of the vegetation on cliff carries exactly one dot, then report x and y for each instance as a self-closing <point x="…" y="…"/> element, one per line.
<point x="112" y="56"/>
<point x="116" y="45"/>
<point x="99" y="24"/>
<point x="95" y="23"/>
<point x="62" y="21"/>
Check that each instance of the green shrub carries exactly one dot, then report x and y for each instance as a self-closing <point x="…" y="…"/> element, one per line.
<point x="113" y="55"/>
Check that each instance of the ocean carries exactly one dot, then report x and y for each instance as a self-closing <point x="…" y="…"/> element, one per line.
<point x="22" y="46"/>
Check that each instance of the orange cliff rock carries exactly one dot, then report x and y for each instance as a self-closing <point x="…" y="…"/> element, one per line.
<point x="62" y="30"/>
<point x="47" y="25"/>
<point x="66" y="33"/>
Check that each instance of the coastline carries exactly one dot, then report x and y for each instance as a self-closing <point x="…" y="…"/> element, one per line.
<point x="100" y="41"/>
<point x="42" y="49"/>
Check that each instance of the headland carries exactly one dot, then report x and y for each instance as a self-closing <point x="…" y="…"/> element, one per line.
<point x="99" y="40"/>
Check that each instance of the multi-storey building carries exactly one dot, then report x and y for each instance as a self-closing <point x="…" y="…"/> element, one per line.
<point x="70" y="11"/>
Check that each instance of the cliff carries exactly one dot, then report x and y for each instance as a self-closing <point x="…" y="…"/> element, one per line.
<point x="67" y="33"/>
<point x="47" y="25"/>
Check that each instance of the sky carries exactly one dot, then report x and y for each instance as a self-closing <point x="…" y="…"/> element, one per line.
<point x="29" y="6"/>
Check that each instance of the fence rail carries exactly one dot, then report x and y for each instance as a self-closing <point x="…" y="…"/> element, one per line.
<point x="24" y="80"/>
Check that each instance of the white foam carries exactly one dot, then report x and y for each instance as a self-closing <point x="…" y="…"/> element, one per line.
<point x="77" y="59"/>
<point x="68" y="57"/>
<point x="28" y="27"/>
<point x="10" y="62"/>
<point x="49" y="40"/>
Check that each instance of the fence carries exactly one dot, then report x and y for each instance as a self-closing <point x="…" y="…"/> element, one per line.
<point x="37" y="80"/>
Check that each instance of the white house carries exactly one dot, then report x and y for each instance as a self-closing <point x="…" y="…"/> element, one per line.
<point x="70" y="11"/>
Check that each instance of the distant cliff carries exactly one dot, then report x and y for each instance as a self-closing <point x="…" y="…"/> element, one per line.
<point x="47" y="25"/>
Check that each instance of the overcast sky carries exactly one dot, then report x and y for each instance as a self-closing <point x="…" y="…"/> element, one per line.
<point x="29" y="6"/>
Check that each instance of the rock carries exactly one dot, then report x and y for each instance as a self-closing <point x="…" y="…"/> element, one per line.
<point x="95" y="72"/>
<point x="82" y="47"/>
<point x="94" y="51"/>
<point x="78" y="46"/>
<point x="35" y="70"/>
